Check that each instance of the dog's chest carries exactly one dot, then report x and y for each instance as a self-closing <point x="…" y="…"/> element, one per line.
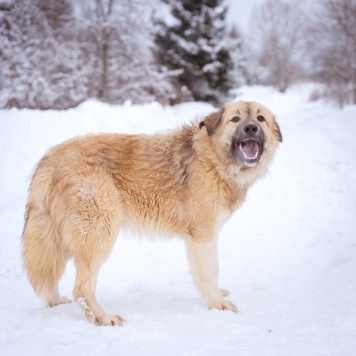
<point x="223" y="215"/>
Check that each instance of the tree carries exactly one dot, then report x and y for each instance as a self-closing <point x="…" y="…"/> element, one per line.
<point x="39" y="69"/>
<point x="194" y="45"/>
<point x="240" y="73"/>
<point x="58" y="14"/>
<point x="55" y="55"/>
<point x="117" y="39"/>
<point x="278" y="26"/>
<point x="333" y="48"/>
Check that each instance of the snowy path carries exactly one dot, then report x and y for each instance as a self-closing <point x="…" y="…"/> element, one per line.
<point x="288" y="256"/>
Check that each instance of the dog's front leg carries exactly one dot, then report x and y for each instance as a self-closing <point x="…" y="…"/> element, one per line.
<point x="203" y="257"/>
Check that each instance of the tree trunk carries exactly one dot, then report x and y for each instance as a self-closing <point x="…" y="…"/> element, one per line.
<point x="104" y="71"/>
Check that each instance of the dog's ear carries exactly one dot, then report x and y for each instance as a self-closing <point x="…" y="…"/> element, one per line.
<point x="212" y="121"/>
<point x="278" y="131"/>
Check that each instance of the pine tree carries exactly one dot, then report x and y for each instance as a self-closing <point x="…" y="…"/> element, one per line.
<point x="241" y="74"/>
<point x="196" y="45"/>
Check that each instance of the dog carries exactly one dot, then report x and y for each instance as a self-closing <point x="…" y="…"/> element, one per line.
<point x="185" y="182"/>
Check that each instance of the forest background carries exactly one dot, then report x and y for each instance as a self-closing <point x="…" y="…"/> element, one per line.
<point x="55" y="54"/>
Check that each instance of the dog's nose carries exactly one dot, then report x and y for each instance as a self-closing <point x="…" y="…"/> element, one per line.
<point x="250" y="129"/>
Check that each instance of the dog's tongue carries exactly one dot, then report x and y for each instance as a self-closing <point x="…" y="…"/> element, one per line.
<point x="250" y="149"/>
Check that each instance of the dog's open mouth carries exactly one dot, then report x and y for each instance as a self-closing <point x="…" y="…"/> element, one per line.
<point x="248" y="151"/>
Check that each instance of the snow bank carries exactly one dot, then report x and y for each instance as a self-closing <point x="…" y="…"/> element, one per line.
<point x="288" y="256"/>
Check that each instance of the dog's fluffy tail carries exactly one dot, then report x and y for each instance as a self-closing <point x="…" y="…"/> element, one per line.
<point x="43" y="256"/>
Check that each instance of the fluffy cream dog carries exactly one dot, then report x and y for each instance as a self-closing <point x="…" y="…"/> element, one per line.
<point x="186" y="182"/>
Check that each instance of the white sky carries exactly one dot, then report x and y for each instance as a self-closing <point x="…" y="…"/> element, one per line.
<point x="240" y="12"/>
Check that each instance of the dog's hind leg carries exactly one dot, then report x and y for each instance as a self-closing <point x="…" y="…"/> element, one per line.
<point x="91" y="251"/>
<point x="204" y="263"/>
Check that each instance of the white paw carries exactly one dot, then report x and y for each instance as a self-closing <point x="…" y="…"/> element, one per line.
<point x="60" y="300"/>
<point x="110" y="320"/>
<point x="223" y="305"/>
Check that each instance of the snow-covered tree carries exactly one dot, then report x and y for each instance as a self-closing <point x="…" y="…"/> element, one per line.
<point x="332" y="46"/>
<point x="55" y="54"/>
<point x="118" y="40"/>
<point x="278" y="26"/>
<point x="240" y="73"/>
<point x="38" y="69"/>
<point x="194" y="43"/>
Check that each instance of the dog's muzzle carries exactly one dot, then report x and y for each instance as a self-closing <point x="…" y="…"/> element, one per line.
<point x="248" y="144"/>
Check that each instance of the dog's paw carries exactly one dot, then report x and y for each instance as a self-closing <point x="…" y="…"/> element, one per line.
<point x="58" y="301"/>
<point x="224" y="305"/>
<point x="110" y="320"/>
<point x="224" y="292"/>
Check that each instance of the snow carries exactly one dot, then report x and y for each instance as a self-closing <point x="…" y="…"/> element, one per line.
<point x="288" y="256"/>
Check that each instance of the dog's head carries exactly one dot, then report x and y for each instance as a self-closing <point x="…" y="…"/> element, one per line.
<point x="246" y="131"/>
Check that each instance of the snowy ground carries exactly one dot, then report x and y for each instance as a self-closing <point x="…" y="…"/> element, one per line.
<point x="288" y="256"/>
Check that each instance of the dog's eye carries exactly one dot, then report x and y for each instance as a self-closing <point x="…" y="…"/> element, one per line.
<point x="260" y="118"/>
<point x="235" y="119"/>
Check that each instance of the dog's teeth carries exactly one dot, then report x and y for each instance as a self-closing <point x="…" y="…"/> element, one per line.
<point x="245" y="155"/>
